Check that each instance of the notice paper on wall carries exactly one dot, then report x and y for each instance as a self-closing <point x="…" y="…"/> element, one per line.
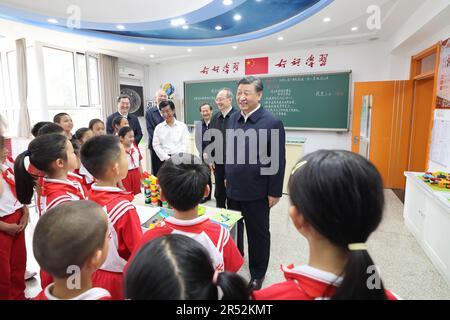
<point x="440" y="140"/>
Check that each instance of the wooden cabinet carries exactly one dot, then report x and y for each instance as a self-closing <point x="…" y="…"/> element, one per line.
<point x="427" y="216"/>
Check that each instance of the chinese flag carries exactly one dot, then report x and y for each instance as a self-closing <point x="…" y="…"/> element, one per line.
<point x="257" y="66"/>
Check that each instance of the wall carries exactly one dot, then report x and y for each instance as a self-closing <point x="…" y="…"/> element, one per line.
<point x="143" y="82"/>
<point x="366" y="61"/>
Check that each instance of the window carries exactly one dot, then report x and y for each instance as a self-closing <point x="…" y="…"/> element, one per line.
<point x="94" y="88"/>
<point x="10" y="99"/>
<point x="82" y="85"/>
<point x="35" y="108"/>
<point x="59" y="77"/>
<point x="71" y="79"/>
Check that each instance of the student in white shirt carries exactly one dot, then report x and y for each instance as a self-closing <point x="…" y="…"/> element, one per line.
<point x="170" y="136"/>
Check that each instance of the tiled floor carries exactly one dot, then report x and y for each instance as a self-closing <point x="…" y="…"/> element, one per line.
<point x="404" y="267"/>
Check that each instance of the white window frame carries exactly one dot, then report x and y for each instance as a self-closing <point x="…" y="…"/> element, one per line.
<point x="39" y="48"/>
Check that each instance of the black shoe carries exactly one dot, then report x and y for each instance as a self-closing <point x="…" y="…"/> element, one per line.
<point x="255" y="284"/>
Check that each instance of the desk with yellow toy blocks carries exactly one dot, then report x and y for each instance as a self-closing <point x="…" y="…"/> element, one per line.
<point x="152" y="216"/>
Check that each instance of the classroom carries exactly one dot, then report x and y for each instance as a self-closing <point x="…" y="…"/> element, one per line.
<point x="225" y="150"/>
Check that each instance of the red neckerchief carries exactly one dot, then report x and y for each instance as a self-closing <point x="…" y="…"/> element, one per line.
<point x="8" y="177"/>
<point x="130" y="153"/>
<point x="103" y="197"/>
<point x="49" y="187"/>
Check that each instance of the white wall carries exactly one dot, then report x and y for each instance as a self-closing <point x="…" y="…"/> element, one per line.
<point x="368" y="63"/>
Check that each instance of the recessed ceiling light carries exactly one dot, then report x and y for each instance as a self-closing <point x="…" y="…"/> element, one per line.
<point x="327" y="19"/>
<point x="355" y="29"/>
<point x="152" y="56"/>
<point x="218" y="28"/>
<point x="237" y="17"/>
<point x="120" y="27"/>
<point x="142" y="48"/>
<point x="280" y="38"/>
<point x="177" y="22"/>
<point x="52" y="20"/>
<point x="234" y="47"/>
<point x="185" y="27"/>
<point x="189" y="50"/>
<point x="227" y="2"/>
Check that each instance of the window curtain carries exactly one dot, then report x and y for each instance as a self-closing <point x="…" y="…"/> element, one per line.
<point x="109" y="83"/>
<point x="24" y="128"/>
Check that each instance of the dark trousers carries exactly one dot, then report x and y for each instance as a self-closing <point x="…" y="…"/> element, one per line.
<point x="209" y="184"/>
<point x="156" y="162"/>
<point x="221" y="192"/>
<point x="256" y="220"/>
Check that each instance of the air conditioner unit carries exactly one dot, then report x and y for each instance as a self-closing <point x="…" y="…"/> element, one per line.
<point x="131" y="73"/>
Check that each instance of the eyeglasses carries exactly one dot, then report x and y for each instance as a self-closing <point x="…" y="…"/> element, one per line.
<point x="220" y="99"/>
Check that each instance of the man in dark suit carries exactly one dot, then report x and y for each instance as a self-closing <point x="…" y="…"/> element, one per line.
<point x="224" y="100"/>
<point x="123" y="108"/>
<point x="206" y="113"/>
<point x="254" y="172"/>
<point x="153" y="117"/>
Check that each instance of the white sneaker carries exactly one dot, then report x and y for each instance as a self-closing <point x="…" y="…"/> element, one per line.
<point x="29" y="275"/>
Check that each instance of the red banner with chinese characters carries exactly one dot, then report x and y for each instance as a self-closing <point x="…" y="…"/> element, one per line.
<point x="443" y="89"/>
<point x="266" y="65"/>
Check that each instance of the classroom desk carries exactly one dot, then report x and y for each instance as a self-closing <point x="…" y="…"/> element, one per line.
<point x="427" y="216"/>
<point x="139" y="200"/>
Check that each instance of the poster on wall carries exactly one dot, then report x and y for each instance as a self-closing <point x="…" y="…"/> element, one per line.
<point x="443" y="89"/>
<point x="136" y="95"/>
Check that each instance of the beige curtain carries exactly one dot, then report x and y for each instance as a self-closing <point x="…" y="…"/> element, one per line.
<point x="109" y="83"/>
<point x="24" y="129"/>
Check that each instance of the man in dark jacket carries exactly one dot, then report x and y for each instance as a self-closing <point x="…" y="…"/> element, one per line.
<point x="123" y="108"/>
<point x="153" y="117"/>
<point x="254" y="172"/>
<point x="206" y="113"/>
<point x="224" y="100"/>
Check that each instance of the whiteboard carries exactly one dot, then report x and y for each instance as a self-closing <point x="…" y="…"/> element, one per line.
<point x="440" y="140"/>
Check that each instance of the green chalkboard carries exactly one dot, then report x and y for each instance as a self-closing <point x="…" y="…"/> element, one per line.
<point x="304" y="102"/>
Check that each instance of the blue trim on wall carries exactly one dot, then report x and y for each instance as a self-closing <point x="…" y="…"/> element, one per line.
<point x="209" y="11"/>
<point x="25" y="18"/>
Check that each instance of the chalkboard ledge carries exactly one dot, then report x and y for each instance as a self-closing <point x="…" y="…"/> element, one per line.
<point x="295" y="140"/>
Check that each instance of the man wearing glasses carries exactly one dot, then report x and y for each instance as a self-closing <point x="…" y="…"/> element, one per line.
<point x="219" y="121"/>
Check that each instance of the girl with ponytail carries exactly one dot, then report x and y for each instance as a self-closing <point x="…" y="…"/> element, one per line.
<point x="337" y="202"/>
<point x="176" y="267"/>
<point x="53" y="156"/>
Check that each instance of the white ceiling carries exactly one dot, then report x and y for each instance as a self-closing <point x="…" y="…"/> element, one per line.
<point x="111" y="11"/>
<point x="312" y="32"/>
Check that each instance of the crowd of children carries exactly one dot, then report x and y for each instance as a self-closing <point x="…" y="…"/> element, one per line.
<point x="90" y="245"/>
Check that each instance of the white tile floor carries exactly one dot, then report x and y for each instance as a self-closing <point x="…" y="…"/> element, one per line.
<point x="404" y="267"/>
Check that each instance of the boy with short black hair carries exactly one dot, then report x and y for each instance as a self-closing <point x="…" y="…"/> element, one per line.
<point x="71" y="241"/>
<point x="104" y="157"/>
<point x="184" y="183"/>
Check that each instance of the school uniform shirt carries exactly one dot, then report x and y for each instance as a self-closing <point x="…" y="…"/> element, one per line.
<point x="55" y="192"/>
<point x="123" y="222"/>
<point x="214" y="237"/>
<point x="72" y="176"/>
<point x="169" y="140"/>
<point x="134" y="157"/>
<point x="8" y="200"/>
<point x="304" y="283"/>
<point x="91" y="294"/>
<point x="88" y="179"/>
